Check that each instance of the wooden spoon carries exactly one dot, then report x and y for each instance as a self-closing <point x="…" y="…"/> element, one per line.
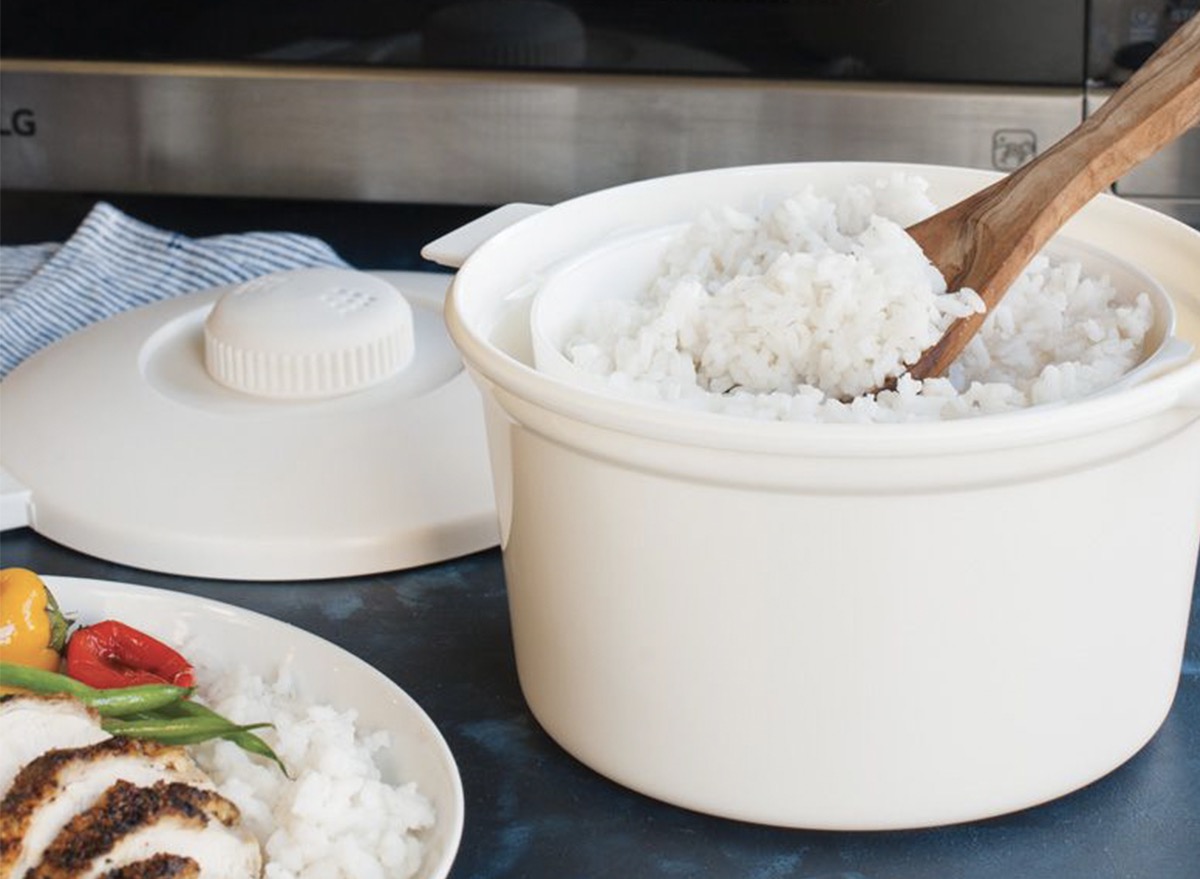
<point x="985" y="241"/>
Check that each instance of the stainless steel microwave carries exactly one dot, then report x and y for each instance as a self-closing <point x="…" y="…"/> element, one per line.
<point x="488" y="101"/>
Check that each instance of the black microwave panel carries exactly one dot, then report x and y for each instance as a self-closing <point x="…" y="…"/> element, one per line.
<point x="970" y="41"/>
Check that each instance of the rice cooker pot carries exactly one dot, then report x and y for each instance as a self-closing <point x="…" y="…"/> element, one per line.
<point x="837" y="626"/>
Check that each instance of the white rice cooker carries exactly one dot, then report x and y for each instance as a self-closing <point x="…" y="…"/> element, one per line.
<point x="836" y="626"/>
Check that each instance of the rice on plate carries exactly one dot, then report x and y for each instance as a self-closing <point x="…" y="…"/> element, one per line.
<point x="336" y="817"/>
<point x="798" y="313"/>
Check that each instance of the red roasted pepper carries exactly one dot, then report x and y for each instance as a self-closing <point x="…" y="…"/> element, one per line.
<point x="112" y="654"/>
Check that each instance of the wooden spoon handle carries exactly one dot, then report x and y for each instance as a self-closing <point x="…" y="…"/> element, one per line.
<point x="985" y="241"/>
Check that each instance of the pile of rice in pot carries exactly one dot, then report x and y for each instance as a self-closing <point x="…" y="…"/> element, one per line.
<point x="800" y="313"/>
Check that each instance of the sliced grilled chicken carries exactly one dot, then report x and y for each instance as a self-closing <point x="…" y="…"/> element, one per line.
<point x="157" y="867"/>
<point x="31" y="725"/>
<point x="55" y="787"/>
<point x="130" y="824"/>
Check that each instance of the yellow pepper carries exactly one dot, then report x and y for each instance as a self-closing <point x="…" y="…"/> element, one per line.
<point x="32" y="629"/>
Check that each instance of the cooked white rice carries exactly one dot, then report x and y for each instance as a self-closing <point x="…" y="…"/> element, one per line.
<point x="819" y="300"/>
<point x="336" y="818"/>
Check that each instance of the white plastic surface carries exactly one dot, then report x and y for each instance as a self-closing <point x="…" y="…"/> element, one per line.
<point x="835" y="625"/>
<point x="308" y="333"/>
<point x="133" y="453"/>
<point x="14" y="502"/>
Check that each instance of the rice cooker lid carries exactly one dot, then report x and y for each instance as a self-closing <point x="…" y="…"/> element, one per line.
<point x="132" y="449"/>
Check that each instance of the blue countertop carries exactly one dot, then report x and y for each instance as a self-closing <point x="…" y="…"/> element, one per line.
<point x="442" y="633"/>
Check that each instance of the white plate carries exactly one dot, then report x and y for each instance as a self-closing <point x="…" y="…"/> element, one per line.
<point x="328" y="674"/>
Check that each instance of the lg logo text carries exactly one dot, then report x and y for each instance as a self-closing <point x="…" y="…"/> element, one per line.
<point x="18" y="123"/>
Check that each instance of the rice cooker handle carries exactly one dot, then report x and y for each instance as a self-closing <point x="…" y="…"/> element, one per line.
<point x="14" y="502"/>
<point x="453" y="248"/>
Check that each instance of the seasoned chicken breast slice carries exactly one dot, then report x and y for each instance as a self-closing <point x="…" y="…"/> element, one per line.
<point x="157" y="867"/>
<point x="130" y="824"/>
<point x="55" y="787"/>
<point x="31" y="725"/>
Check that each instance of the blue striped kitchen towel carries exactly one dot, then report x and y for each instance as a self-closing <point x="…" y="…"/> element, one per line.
<point x="113" y="263"/>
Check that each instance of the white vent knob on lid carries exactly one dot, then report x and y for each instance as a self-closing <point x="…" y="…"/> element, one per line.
<point x="308" y="333"/>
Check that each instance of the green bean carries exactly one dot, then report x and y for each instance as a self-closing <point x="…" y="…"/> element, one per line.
<point x="116" y="702"/>
<point x="175" y="730"/>
<point x="242" y="737"/>
<point x="154" y="711"/>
